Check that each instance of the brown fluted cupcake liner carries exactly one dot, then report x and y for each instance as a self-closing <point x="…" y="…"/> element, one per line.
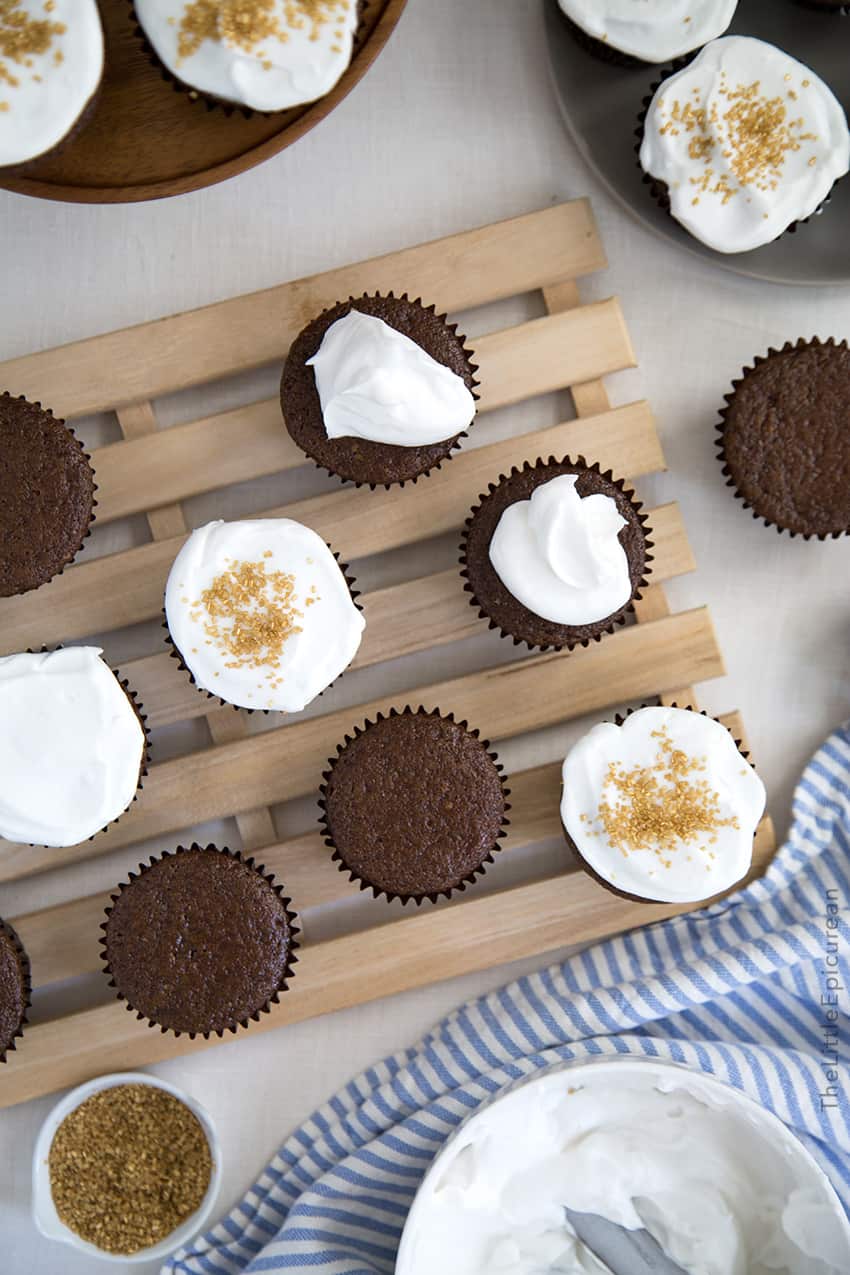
<point x="174" y="650"/>
<point x="138" y="708"/>
<point x="212" y="103"/>
<point x="800" y="343"/>
<point x="361" y="881"/>
<point x="611" y="623"/>
<point x="660" y="190"/>
<point x="292" y="955"/>
<point x="94" y="487"/>
<point x="443" y="450"/>
<point x="10" y="933"/>
<point x="618" y="719"/>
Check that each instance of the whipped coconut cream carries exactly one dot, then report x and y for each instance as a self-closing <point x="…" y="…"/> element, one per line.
<point x="747" y="141"/>
<point x="286" y="53"/>
<point x="719" y="1182"/>
<point x="375" y="383"/>
<point x="46" y="87"/>
<point x="652" y="30"/>
<point x="560" y="555"/>
<point x="663" y="807"/>
<point x="71" y="746"/>
<point x="261" y="613"/>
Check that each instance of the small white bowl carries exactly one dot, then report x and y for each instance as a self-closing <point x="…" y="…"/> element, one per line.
<point x="44" y="1211"/>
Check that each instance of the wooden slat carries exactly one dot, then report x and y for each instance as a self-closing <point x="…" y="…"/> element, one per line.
<point x="400" y="620"/>
<point x="636" y="662"/>
<point x="62" y="941"/>
<point x="515" y="364"/>
<point x="125" y="588"/>
<point x="459" y="272"/>
<point x="422" y="948"/>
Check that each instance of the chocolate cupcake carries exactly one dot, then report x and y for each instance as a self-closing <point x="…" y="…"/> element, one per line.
<point x="51" y="67"/>
<point x="414" y="805"/>
<point x="661" y="806"/>
<point x="261" y="614"/>
<point x="73" y="746"/>
<point x="199" y="941"/>
<point x="46" y="495"/>
<point x="783" y="438"/>
<point x="378" y="390"/>
<point x="742" y="143"/>
<point x="648" y="31"/>
<point x="15" y="989"/>
<point x="556" y="553"/>
<point x="266" y="56"/>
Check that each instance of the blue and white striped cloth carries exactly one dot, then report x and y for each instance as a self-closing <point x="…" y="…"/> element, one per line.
<point x="753" y="990"/>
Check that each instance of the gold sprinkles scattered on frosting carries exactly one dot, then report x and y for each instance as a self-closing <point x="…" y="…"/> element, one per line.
<point x="249" y="613"/>
<point x="22" y="36"/>
<point x="752" y="132"/>
<point x="246" y="24"/>
<point x="662" y="806"/>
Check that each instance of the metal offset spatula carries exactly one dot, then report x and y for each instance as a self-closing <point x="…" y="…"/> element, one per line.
<point x="623" y="1252"/>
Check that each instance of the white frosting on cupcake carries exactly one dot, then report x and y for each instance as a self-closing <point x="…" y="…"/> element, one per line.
<point x="261" y="613"/>
<point x="663" y="807"/>
<point x="747" y="141"/>
<point x="49" y="76"/>
<point x="376" y="383"/>
<point x="560" y="555"/>
<point x="267" y="55"/>
<point x="652" y="30"/>
<point x="71" y="746"/>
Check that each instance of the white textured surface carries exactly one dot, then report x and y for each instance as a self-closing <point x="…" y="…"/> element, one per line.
<point x="461" y="92"/>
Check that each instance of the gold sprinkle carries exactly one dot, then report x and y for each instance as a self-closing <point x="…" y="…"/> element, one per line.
<point x="246" y="24"/>
<point x="21" y="36"/>
<point x="248" y="613"/>
<point x="661" y="806"/>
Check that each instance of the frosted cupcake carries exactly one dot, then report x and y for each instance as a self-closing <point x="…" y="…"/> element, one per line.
<point x="662" y="807"/>
<point x="51" y="66"/>
<point x="261" y="614"/>
<point x="264" y="55"/>
<point x="743" y="143"/>
<point x="633" y="32"/>
<point x="72" y="746"/>
<point x="378" y="389"/>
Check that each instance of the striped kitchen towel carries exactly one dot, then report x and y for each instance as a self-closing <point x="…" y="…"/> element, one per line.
<point x="752" y="990"/>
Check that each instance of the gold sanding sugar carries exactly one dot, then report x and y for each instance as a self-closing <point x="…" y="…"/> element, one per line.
<point x="248" y="613"/>
<point x="661" y="806"/>
<point x="753" y="133"/>
<point x="128" y="1166"/>
<point x="21" y="36"/>
<point x="244" y="24"/>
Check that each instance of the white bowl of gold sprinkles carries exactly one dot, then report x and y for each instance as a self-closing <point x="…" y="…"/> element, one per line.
<point x="126" y="1168"/>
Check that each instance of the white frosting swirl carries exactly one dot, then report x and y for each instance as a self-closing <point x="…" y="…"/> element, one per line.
<point x="294" y="588"/>
<point x="747" y="140"/>
<point x="301" y="60"/>
<point x="43" y="95"/>
<point x="560" y="555"/>
<point x="374" y="382"/>
<point x="653" y="30"/>
<point x="71" y="746"/>
<point x="719" y="1182"/>
<point x="663" y="865"/>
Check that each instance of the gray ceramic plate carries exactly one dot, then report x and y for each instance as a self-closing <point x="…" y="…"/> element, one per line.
<point x="601" y="103"/>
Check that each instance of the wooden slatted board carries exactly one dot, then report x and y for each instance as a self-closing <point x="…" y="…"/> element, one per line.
<point x="243" y="772"/>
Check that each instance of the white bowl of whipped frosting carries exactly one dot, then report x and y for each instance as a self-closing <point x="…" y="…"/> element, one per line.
<point x="720" y="1182"/>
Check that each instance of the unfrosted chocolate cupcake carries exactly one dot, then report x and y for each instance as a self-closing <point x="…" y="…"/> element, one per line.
<point x="15" y="989"/>
<point x="414" y="805"/>
<point x="556" y="553"/>
<point x="46" y="495"/>
<point x="784" y="441"/>
<point x="378" y="389"/>
<point x="199" y="941"/>
<point x="661" y="806"/>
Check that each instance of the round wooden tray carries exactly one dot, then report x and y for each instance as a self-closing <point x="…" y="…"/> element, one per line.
<point x="149" y="139"/>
